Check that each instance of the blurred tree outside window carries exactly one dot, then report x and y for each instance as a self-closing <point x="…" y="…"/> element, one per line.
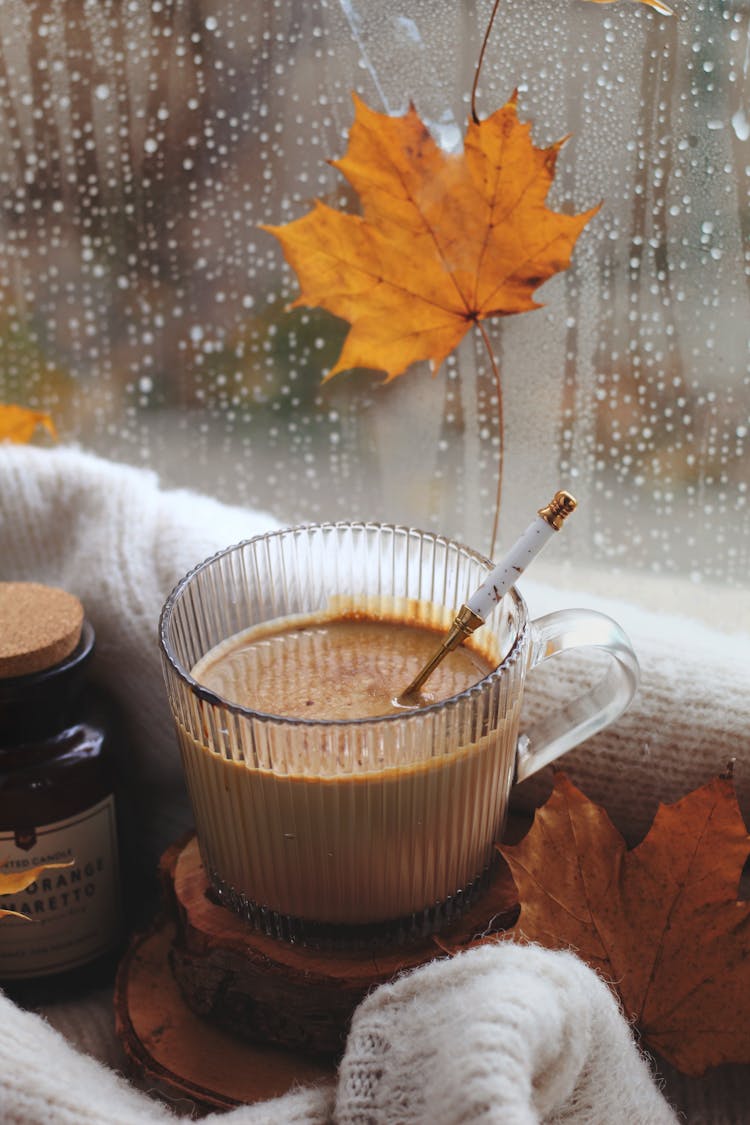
<point x="142" y="144"/>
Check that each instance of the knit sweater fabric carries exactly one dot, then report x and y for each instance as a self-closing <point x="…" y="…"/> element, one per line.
<point x="502" y="1034"/>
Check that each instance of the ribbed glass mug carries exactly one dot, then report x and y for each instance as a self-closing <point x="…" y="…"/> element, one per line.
<point x="347" y="829"/>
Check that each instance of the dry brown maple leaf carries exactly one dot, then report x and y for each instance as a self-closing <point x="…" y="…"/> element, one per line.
<point x="11" y="882"/>
<point x="18" y="424"/>
<point x="444" y="240"/>
<point x="661" y="922"/>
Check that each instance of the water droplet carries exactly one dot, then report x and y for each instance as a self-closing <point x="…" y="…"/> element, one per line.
<point x="741" y="125"/>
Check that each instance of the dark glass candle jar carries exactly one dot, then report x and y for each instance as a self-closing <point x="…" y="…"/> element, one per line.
<point x="56" y="802"/>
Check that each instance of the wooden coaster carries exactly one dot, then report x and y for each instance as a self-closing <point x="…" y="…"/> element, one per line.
<point x="210" y="1009"/>
<point x="182" y="1055"/>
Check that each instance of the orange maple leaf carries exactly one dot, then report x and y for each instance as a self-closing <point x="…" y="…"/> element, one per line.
<point x="11" y="882"/>
<point x="661" y="922"/>
<point x="17" y="423"/>
<point x="444" y="240"/>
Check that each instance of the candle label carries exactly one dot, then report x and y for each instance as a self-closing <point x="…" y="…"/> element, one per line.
<point x="74" y="911"/>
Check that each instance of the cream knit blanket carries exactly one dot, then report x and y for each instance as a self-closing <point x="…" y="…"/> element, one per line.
<point x="506" y="1034"/>
<point x="497" y="1036"/>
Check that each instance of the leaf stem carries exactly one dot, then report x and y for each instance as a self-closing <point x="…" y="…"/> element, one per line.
<point x="480" y="60"/>
<point x="501" y="431"/>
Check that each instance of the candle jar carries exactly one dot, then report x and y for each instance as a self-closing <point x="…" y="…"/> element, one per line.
<point x="56" y="797"/>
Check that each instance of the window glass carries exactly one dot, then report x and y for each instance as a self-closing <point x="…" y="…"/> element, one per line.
<point x="142" y="144"/>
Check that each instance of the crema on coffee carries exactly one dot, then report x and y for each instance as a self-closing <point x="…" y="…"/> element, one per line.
<point x="350" y="667"/>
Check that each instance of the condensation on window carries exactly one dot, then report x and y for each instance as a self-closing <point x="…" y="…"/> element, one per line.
<point x="142" y="144"/>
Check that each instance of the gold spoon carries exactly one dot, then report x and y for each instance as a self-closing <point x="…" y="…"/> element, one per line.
<point x="480" y="605"/>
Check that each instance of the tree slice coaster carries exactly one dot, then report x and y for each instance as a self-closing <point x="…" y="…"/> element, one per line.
<point x="183" y="1056"/>
<point x="269" y="991"/>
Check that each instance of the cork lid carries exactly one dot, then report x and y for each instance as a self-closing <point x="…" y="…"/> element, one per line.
<point x="39" y="627"/>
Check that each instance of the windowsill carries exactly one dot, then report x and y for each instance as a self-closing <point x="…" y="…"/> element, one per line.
<point x="723" y="608"/>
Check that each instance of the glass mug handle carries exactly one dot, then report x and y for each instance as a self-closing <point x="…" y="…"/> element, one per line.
<point x="577" y="719"/>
